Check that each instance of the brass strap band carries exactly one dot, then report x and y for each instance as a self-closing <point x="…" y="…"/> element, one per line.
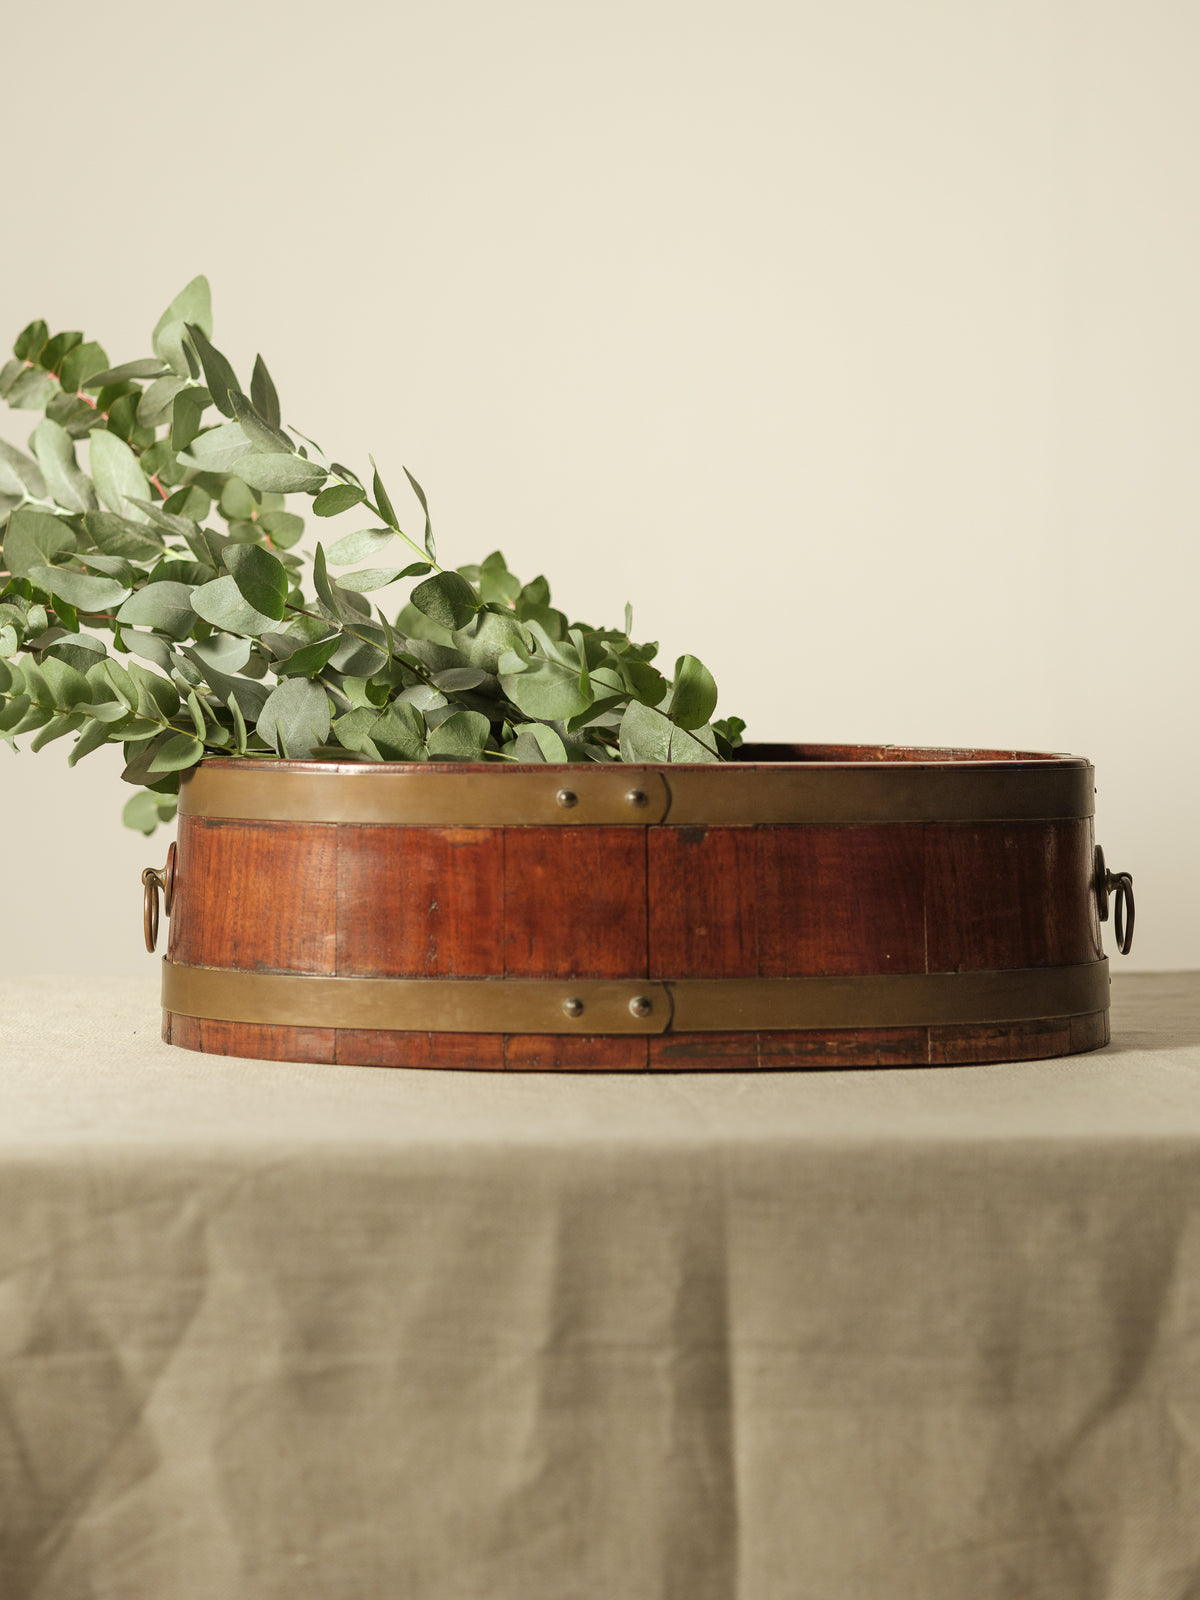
<point x="452" y="795"/>
<point x="633" y="1005"/>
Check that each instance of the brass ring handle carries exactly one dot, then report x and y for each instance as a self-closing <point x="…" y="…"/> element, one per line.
<point x="154" y="879"/>
<point x="1121" y="886"/>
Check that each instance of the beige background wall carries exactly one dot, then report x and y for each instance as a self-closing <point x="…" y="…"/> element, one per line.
<point x="856" y="343"/>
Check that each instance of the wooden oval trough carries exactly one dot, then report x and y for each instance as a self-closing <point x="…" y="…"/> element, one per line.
<point x="806" y="906"/>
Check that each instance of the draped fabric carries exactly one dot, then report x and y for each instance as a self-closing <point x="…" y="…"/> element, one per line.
<point x="276" y="1332"/>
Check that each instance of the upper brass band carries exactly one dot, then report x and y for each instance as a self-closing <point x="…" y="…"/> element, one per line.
<point x="449" y="795"/>
<point x="634" y="1005"/>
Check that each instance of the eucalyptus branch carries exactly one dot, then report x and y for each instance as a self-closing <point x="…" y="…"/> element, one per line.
<point x="512" y="679"/>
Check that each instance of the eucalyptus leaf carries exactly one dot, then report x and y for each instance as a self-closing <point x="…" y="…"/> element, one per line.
<point x="60" y="726"/>
<point x="118" y="536"/>
<point x="399" y="734"/>
<point x="236" y="502"/>
<point x="30" y="340"/>
<point x="336" y="498"/>
<point x="154" y="408"/>
<point x="32" y="391"/>
<point x="353" y="732"/>
<point x="370" y="578"/>
<point x="55" y="349"/>
<point x="81" y="366"/>
<point x="219" y="376"/>
<point x="352" y="547"/>
<point x="94" y="733"/>
<point x="250" y="696"/>
<point x="221" y="603"/>
<point x="218" y="449"/>
<point x="547" y="691"/>
<point x="33" y="538"/>
<point x="462" y="736"/>
<point x="150" y="647"/>
<point x="144" y="368"/>
<point x="80" y="589"/>
<point x="261" y="434"/>
<point x="457" y="680"/>
<point x="489" y="637"/>
<point x="296" y="631"/>
<point x="188" y="406"/>
<point x="446" y="599"/>
<point x="177" y="349"/>
<point x="34" y="716"/>
<point x="262" y="393"/>
<point x="177" y="752"/>
<point x="283" y="528"/>
<point x="260" y="577"/>
<point x="381" y="499"/>
<point x="68" y="687"/>
<point x="111" y="675"/>
<point x="13" y="711"/>
<point x="327" y="591"/>
<point x="649" y="735"/>
<point x="430" y="546"/>
<point x="116" y="474"/>
<point x="190" y="501"/>
<point x="694" y="698"/>
<point x="358" y="656"/>
<point x="192" y="304"/>
<point x="158" y="698"/>
<point x="55" y="451"/>
<point x="309" y="659"/>
<point x="552" y="747"/>
<point x="224" y="651"/>
<point x="145" y="811"/>
<point x="109" y="712"/>
<point x="279" y="473"/>
<point x="165" y="606"/>
<point x="19" y="473"/>
<point x="295" y="718"/>
<point x="424" y="696"/>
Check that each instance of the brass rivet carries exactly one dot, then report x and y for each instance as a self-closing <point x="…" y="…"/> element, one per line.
<point x="573" y="1007"/>
<point x="567" y="798"/>
<point x="637" y="797"/>
<point x="641" y="1006"/>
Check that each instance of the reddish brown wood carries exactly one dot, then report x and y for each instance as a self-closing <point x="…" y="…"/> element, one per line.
<point x="662" y="901"/>
<point x="420" y="902"/>
<point x="840" y="901"/>
<point x="574" y="906"/>
<point x="379" y="1047"/>
<point x="845" y="1047"/>
<point x="1089" y="1033"/>
<point x="181" y="1031"/>
<point x="1010" y="1041"/>
<point x="260" y="1043"/>
<point x="703" y="903"/>
<point x="574" y="902"/>
<point x="784" y="1051"/>
<point x="704" y="1052"/>
<point x="564" y="1052"/>
<point x="1013" y="894"/>
<point x="259" y="895"/>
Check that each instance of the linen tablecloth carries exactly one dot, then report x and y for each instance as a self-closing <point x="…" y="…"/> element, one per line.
<point x="298" y="1331"/>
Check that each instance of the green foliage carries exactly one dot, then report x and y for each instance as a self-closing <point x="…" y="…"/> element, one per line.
<point x="175" y="548"/>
